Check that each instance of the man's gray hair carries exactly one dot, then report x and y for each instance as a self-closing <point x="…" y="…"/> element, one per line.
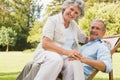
<point x="99" y="20"/>
<point x="79" y="3"/>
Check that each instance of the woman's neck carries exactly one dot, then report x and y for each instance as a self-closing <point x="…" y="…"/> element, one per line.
<point x="66" y="24"/>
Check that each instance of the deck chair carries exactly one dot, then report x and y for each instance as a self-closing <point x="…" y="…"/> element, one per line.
<point x="115" y="43"/>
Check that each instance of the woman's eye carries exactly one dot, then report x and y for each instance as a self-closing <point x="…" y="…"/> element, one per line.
<point x="71" y="9"/>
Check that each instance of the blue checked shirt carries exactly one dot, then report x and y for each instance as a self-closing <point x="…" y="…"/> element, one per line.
<point x="96" y="50"/>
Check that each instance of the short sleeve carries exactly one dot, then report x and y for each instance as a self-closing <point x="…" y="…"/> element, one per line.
<point x="48" y="29"/>
<point x="104" y="55"/>
<point x="81" y="35"/>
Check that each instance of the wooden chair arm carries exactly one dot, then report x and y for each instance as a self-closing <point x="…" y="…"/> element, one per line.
<point x="112" y="36"/>
<point x="93" y="74"/>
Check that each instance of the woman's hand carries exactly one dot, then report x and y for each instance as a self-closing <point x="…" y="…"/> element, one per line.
<point x="73" y="54"/>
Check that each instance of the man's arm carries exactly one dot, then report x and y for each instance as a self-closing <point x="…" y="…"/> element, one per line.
<point x="97" y="64"/>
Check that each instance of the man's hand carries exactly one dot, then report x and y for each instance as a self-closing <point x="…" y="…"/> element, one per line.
<point x="74" y="54"/>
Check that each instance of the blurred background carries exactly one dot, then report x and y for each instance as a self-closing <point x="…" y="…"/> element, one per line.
<point x="21" y="21"/>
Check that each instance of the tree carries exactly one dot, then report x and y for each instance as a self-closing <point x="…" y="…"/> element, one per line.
<point x="7" y="37"/>
<point x="109" y="13"/>
<point x="53" y="7"/>
<point x="35" y="33"/>
<point x="20" y="16"/>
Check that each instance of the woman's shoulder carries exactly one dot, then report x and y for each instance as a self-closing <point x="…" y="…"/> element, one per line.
<point x="74" y="23"/>
<point x="54" y="17"/>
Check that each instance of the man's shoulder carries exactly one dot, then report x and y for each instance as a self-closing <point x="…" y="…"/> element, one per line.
<point x="103" y="45"/>
<point x="100" y="44"/>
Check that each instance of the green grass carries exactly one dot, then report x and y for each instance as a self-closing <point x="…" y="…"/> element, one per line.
<point x="13" y="62"/>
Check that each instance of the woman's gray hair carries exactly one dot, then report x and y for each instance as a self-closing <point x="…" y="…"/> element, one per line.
<point x="79" y="3"/>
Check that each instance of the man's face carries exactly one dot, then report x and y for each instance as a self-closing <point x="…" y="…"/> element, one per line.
<point x="96" y="31"/>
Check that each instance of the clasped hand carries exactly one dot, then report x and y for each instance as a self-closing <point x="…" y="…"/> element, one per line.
<point x="74" y="55"/>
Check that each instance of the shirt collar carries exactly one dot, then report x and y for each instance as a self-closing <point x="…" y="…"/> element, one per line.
<point x="61" y="18"/>
<point x="99" y="40"/>
<point x="94" y="41"/>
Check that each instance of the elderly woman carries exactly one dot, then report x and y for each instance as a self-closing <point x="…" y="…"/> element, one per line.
<point x="61" y="36"/>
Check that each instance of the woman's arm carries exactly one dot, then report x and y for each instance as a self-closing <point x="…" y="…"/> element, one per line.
<point x="47" y="44"/>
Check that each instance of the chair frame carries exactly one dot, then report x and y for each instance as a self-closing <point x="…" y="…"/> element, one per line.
<point x="112" y="52"/>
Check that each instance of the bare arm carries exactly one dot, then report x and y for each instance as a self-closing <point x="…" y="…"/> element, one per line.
<point x="99" y="65"/>
<point x="47" y="44"/>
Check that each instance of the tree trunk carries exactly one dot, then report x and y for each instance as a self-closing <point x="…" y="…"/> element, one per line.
<point x="7" y="48"/>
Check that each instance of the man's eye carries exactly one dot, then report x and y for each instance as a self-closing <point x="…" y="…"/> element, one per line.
<point x="92" y="27"/>
<point x="76" y="12"/>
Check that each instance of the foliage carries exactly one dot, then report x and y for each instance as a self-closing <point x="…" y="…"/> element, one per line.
<point x="20" y="15"/>
<point x="53" y="7"/>
<point x="35" y="33"/>
<point x="7" y="37"/>
<point x="109" y="13"/>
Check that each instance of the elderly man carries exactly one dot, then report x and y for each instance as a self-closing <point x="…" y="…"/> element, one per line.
<point x="96" y="53"/>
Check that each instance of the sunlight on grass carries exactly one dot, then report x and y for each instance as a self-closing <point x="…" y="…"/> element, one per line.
<point x="13" y="62"/>
<point x="8" y="76"/>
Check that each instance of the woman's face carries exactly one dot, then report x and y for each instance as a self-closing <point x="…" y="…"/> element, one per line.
<point x="71" y="12"/>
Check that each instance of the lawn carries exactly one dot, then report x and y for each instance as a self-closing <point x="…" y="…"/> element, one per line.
<point x="11" y="64"/>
